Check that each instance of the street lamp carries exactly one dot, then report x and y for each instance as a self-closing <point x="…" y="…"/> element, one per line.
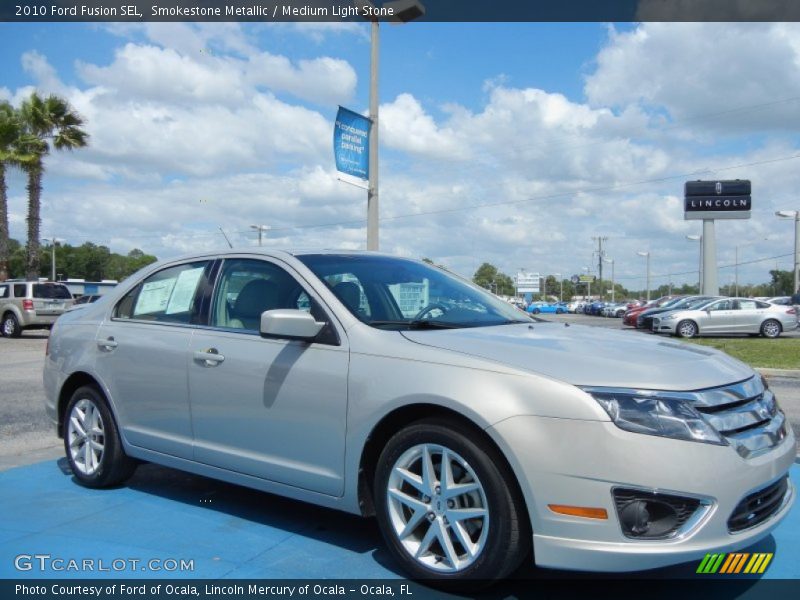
<point x="53" y="241"/>
<point x="698" y="238"/>
<point x="403" y="11"/>
<point x="611" y="260"/>
<point x="794" y="214"/>
<point x="647" y="256"/>
<point x="260" y="229"/>
<point x="561" y="289"/>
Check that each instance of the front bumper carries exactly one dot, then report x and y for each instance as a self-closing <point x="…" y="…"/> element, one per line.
<point x="578" y="463"/>
<point x="663" y="326"/>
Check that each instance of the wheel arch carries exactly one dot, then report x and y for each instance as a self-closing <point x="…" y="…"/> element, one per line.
<point x="692" y="321"/>
<point x="72" y="383"/>
<point x="404" y="416"/>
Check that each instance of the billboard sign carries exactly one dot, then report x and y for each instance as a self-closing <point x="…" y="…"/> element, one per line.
<point x="587" y="278"/>
<point x="729" y="199"/>
<point x="528" y="283"/>
<point x="351" y="146"/>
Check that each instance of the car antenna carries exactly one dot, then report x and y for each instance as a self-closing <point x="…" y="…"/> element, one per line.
<point x="226" y="238"/>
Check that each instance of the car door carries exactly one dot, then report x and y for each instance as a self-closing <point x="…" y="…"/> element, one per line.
<point x="142" y="355"/>
<point x="270" y="408"/>
<point x="719" y="317"/>
<point x="749" y="316"/>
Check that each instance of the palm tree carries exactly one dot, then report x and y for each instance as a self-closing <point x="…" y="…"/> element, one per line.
<point x="46" y="121"/>
<point x="9" y="135"/>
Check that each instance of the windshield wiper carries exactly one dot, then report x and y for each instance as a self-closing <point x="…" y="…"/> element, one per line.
<point x="416" y="324"/>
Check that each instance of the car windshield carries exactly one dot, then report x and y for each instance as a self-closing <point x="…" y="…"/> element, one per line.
<point x="51" y="291"/>
<point x="396" y="293"/>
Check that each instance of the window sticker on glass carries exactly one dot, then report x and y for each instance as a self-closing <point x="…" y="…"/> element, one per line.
<point x="183" y="292"/>
<point x="154" y="297"/>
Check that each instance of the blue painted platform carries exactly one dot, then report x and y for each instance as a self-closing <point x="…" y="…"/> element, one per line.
<point x="228" y="531"/>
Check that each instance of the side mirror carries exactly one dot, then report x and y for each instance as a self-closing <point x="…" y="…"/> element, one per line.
<point x="289" y="323"/>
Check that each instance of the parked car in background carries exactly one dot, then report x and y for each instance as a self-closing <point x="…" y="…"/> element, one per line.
<point x="477" y="439"/>
<point x="544" y="307"/>
<point x="781" y="300"/>
<point x="629" y="318"/>
<point x="645" y="318"/>
<point x="31" y="305"/>
<point x="88" y="298"/>
<point x="728" y="315"/>
<point x="614" y="309"/>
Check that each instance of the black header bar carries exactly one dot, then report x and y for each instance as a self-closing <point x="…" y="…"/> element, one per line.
<point x="434" y="10"/>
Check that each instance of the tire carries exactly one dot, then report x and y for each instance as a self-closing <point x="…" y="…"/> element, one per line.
<point x="686" y="329"/>
<point x="417" y="517"/>
<point x="10" y="326"/>
<point x="97" y="461"/>
<point x="771" y="328"/>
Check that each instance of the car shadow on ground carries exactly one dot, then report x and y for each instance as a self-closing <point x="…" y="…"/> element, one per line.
<point x="361" y="535"/>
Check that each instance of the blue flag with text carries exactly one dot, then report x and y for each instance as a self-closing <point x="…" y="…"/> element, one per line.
<point x="351" y="144"/>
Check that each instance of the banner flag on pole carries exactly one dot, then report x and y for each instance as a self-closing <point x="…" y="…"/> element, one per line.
<point x="351" y="146"/>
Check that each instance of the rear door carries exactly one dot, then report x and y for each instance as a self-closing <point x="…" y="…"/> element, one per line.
<point x="750" y="315"/>
<point x="142" y="353"/>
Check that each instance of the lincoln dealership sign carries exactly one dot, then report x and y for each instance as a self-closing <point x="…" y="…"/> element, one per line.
<point x="717" y="199"/>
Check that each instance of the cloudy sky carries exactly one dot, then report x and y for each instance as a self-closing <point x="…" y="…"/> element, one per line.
<point x="508" y="143"/>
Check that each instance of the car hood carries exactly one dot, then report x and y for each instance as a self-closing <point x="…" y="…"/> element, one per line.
<point x="596" y="356"/>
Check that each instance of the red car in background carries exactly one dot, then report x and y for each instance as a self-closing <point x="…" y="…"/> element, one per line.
<point x="629" y="318"/>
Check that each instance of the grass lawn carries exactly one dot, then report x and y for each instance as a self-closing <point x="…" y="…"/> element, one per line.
<point x="780" y="353"/>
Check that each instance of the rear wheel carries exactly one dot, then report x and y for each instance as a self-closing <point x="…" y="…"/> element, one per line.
<point x="11" y="326"/>
<point x="686" y="329"/>
<point x="92" y="442"/>
<point x="771" y="328"/>
<point x="447" y="507"/>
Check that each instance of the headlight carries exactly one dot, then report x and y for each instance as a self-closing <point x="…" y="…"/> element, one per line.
<point x="669" y="317"/>
<point x="643" y="411"/>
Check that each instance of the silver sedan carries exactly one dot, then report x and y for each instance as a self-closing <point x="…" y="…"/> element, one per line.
<point x="388" y="387"/>
<point x="728" y="315"/>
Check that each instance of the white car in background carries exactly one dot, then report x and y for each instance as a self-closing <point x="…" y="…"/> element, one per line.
<point x="728" y="315"/>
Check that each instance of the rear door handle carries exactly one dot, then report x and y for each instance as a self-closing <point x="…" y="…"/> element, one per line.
<point x="107" y="345"/>
<point x="209" y="358"/>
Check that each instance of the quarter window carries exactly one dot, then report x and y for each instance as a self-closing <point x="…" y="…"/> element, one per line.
<point x="170" y="296"/>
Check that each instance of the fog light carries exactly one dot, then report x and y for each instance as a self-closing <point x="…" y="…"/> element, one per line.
<point x="650" y="515"/>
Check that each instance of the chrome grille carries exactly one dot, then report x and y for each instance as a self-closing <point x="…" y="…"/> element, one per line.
<point x="745" y="414"/>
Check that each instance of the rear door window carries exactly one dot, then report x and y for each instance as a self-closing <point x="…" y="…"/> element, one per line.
<point x="172" y="295"/>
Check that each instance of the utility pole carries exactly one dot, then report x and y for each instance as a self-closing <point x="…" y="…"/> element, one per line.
<point x="600" y="255"/>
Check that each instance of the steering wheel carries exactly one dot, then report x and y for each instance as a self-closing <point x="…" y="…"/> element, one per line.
<point x="429" y="308"/>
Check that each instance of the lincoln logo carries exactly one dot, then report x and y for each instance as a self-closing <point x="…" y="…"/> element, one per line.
<point x="719" y="188"/>
<point x="718" y="203"/>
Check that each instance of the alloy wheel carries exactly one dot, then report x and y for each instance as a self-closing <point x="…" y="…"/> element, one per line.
<point x="771" y="329"/>
<point x="438" y="508"/>
<point x="86" y="436"/>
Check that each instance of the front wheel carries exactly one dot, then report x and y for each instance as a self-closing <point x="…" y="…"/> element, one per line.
<point x="686" y="329"/>
<point x="92" y="442"/>
<point x="447" y="507"/>
<point x="771" y="328"/>
<point x="11" y="326"/>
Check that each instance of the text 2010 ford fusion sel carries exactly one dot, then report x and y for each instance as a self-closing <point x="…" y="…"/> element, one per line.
<point x="379" y="385"/>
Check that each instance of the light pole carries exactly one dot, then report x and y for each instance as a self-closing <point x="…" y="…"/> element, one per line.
<point x="611" y="260"/>
<point x="561" y="288"/>
<point x="698" y="238"/>
<point x="260" y="229"/>
<point x="53" y="241"/>
<point x="794" y="214"/>
<point x="647" y="256"/>
<point x="403" y="12"/>
<point x="736" y="263"/>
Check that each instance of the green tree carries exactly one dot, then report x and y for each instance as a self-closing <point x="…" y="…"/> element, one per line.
<point x="10" y="132"/>
<point x="47" y="121"/>
<point x="489" y="277"/>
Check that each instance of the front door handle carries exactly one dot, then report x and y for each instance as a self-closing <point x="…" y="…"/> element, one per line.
<point x="107" y="344"/>
<point x="209" y="357"/>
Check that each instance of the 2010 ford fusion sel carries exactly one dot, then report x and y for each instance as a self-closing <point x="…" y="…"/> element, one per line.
<point x="389" y="387"/>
